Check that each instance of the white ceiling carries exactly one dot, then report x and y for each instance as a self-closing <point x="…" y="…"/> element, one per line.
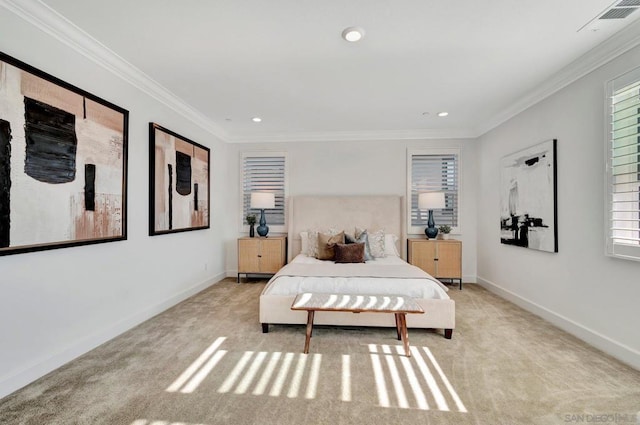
<point x="284" y="60"/>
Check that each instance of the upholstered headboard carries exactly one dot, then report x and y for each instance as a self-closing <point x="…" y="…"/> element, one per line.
<point x="373" y="212"/>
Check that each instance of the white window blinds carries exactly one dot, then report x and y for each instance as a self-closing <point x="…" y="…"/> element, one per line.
<point x="264" y="173"/>
<point x="623" y="167"/>
<point x="437" y="172"/>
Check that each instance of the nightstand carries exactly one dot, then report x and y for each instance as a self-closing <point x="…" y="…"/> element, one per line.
<point x="440" y="258"/>
<point x="262" y="256"/>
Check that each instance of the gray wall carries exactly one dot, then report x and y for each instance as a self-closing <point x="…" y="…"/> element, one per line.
<point x="579" y="288"/>
<point x="55" y="305"/>
<point x="359" y="168"/>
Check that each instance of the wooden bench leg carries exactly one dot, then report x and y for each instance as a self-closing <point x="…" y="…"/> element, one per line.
<point x="405" y="335"/>
<point x="398" y="326"/>
<point x="309" y="331"/>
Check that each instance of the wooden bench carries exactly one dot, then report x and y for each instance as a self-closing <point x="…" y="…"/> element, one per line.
<point x="398" y="305"/>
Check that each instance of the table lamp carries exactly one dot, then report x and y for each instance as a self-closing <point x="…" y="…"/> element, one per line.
<point x="262" y="200"/>
<point x="430" y="201"/>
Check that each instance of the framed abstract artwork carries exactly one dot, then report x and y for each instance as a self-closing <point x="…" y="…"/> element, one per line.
<point x="528" y="198"/>
<point x="63" y="163"/>
<point x="179" y="183"/>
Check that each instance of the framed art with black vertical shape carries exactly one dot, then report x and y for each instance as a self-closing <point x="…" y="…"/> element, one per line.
<point x="63" y="163"/>
<point x="179" y="183"/>
<point x="528" y="199"/>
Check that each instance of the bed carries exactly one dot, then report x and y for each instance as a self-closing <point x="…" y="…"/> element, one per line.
<point x="307" y="274"/>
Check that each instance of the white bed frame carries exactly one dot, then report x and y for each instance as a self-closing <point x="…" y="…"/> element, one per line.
<point x="347" y="212"/>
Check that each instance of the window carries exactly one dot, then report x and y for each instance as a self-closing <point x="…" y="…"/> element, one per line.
<point x="623" y="166"/>
<point x="265" y="172"/>
<point x="433" y="171"/>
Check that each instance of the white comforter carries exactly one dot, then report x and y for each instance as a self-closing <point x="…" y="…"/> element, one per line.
<point x="422" y="287"/>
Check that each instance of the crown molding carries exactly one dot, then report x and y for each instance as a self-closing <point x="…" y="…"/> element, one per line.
<point x="49" y="21"/>
<point x="52" y="23"/>
<point x="342" y="136"/>
<point x="614" y="46"/>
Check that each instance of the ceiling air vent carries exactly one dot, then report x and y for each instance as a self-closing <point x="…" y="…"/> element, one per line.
<point x="621" y="10"/>
<point x="628" y="3"/>
<point x="618" y="13"/>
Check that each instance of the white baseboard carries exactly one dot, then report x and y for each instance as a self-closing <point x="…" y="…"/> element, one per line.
<point x="620" y="351"/>
<point x="40" y="367"/>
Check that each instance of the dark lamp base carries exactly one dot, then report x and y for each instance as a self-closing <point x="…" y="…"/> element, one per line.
<point x="431" y="232"/>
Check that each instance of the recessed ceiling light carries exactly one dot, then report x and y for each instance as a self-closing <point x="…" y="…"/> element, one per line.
<point x="256" y="119"/>
<point x="353" y="34"/>
<point x="443" y="114"/>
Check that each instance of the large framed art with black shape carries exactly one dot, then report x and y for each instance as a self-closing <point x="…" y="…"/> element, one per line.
<point x="179" y="196"/>
<point x="63" y="163"/>
<point x="528" y="198"/>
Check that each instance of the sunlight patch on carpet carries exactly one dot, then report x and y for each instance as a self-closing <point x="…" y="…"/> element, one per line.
<point x="445" y="380"/>
<point x="297" y="376"/>
<point x="236" y="372"/>
<point x="203" y="373"/>
<point x="314" y="375"/>
<point x="266" y="375"/>
<point x="434" y="389"/>
<point x="401" y="396"/>
<point x="191" y="373"/>
<point x="396" y="376"/>
<point x="416" y="382"/>
<point x="378" y="373"/>
<point x="346" y="378"/>
<point x="251" y="373"/>
<point x="278" y="385"/>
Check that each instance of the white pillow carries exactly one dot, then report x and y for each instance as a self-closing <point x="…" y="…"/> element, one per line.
<point x="390" y="248"/>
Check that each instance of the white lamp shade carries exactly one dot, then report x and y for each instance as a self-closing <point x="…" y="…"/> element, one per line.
<point x="262" y="200"/>
<point x="431" y="200"/>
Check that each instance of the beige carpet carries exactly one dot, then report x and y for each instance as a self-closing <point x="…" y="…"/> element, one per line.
<point x="205" y="361"/>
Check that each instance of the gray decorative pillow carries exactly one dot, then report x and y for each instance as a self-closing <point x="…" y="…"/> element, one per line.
<point x="376" y="242"/>
<point x="363" y="238"/>
<point x="349" y="253"/>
